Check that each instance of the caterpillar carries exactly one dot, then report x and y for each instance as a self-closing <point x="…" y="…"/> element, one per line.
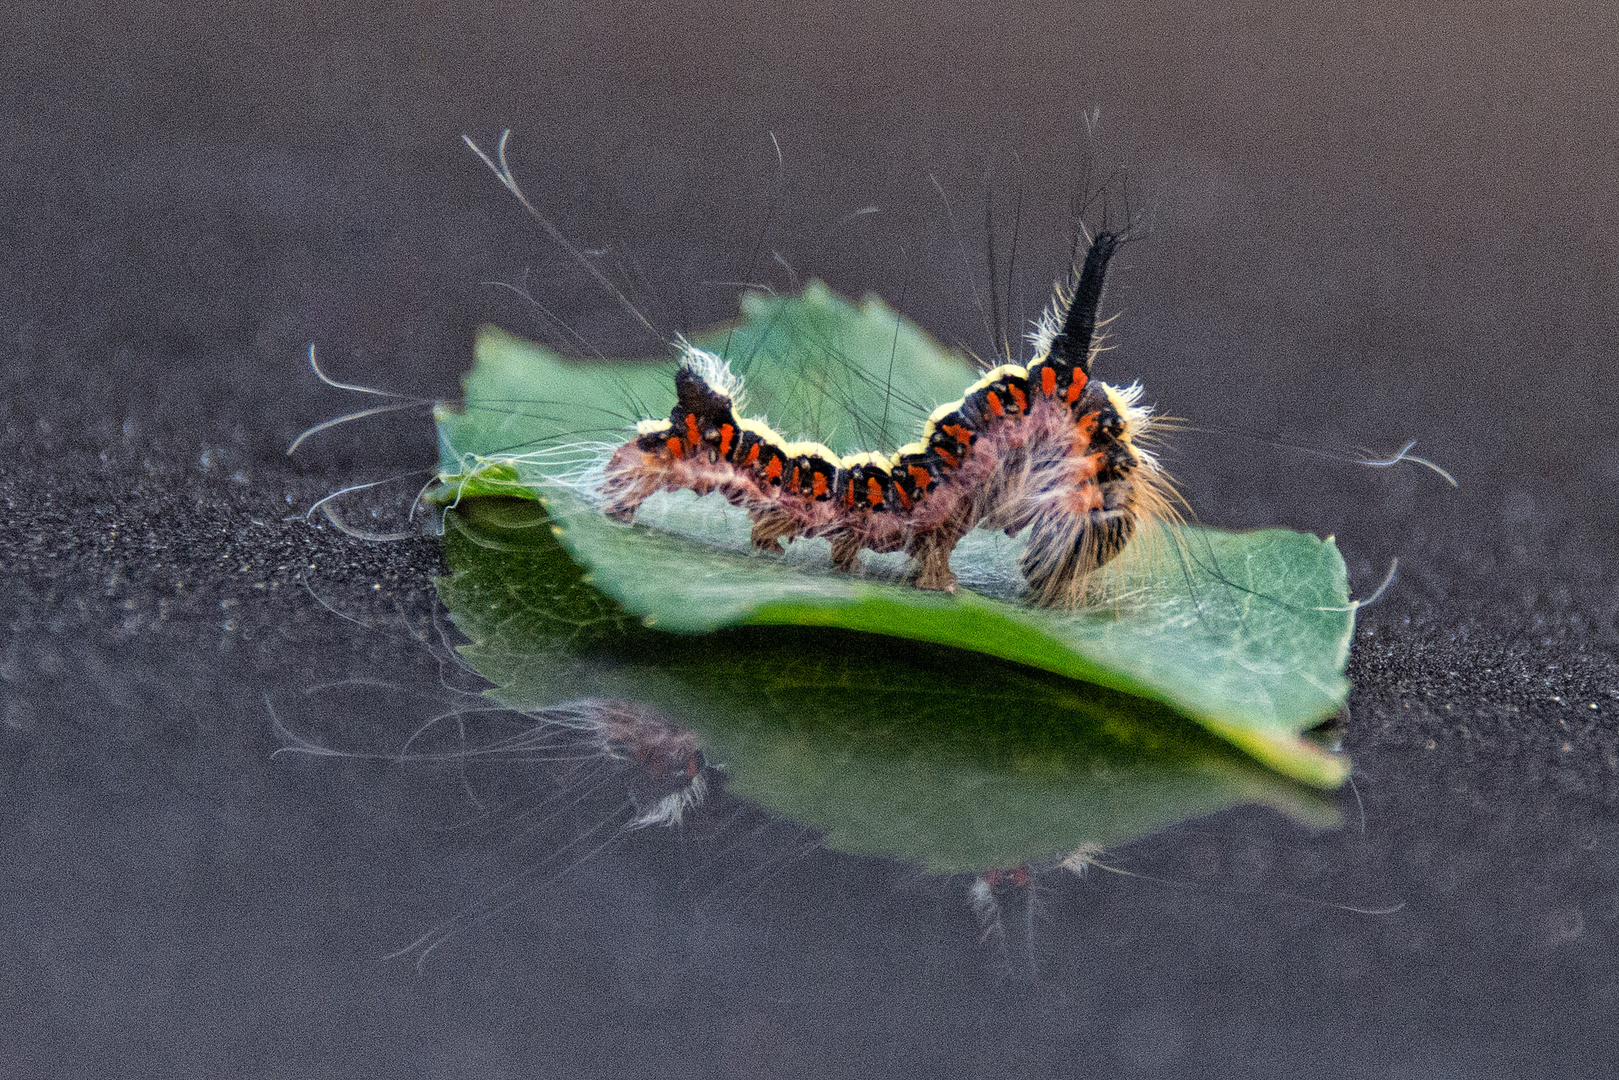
<point x="1044" y="448"/>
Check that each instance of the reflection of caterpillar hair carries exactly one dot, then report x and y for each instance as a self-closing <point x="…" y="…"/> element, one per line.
<point x="1045" y="448"/>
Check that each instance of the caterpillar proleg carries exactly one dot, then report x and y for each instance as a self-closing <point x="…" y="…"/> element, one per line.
<point x="1044" y="448"/>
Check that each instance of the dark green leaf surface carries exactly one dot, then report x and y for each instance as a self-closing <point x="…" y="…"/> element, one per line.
<point x="1246" y="633"/>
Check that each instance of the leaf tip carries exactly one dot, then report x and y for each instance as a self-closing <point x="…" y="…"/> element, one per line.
<point x="1293" y="756"/>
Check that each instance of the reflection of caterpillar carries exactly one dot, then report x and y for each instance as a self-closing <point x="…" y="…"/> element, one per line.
<point x="1044" y="448"/>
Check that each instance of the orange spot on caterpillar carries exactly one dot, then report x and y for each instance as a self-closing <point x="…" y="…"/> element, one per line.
<point x="773" y="470"/>
<point x="948" y="458"/>
<point x="753" y="455"/>
<point x="874" y="491"/>
<point x="1019" y="398"/>
<point x="676" y="447"/>
<point x="904" y="499"/>
<point x="727" y="435"/>
<point x="962" y="435"/>
<point x="921" y="476"/>
<point x="1078" y="385"/>
<point x="818" y="484"/>
<point x="1048" y="380"/>
<point x="995" y="405"/>
<point x="692" y="434"/>
<point x="793" y="482"/>
<point x="848" y="496"/>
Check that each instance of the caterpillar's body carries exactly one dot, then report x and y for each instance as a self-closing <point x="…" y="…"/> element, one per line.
<point x="1044" y="447"/>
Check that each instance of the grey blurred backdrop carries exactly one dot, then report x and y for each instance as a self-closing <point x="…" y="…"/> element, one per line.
<point x="1371" y="223"/>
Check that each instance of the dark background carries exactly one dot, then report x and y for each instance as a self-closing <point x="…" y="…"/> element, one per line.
<point x="1370" y="224"/>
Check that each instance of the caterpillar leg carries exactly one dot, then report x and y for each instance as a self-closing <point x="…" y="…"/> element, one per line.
<point x="931" y="549"/>
<point x="846" y="550"/>
<point x="932" y="553"/>
<point x="770" y="527"/>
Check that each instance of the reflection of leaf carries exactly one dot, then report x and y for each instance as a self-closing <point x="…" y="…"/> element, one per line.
<point x="1246" y="633"/>
<point x="956" y="762"/>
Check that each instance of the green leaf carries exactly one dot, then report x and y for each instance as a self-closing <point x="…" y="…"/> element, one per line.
<point x="853" y="377"/>
<point x="1246" y="633"/>
<point x="957" y="762"/>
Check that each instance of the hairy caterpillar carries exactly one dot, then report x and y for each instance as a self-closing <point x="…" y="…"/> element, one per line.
<point x="1043" y="447"/>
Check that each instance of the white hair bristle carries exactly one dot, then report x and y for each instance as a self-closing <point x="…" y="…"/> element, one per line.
<point x="1137" y="418"/>
<point x="1049" y="324"/>
<point x="670" y="809"/>
<point x="1127" y="399"/>
<point x="986" y="908"/>
<point x="713" y="370"/>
